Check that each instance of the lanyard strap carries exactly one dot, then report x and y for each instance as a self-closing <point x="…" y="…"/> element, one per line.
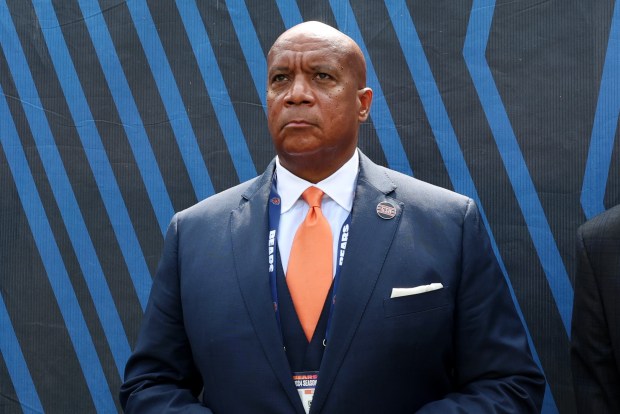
<point x="272" y="245"/>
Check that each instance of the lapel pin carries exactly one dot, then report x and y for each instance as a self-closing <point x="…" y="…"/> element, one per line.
<point x="386" y="210"/>
<point x="275" y="201"/>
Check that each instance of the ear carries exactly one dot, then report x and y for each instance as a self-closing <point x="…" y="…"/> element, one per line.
<point x="364" y="96"/>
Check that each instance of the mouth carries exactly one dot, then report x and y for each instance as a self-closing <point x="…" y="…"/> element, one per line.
<point x="297" y="123"/>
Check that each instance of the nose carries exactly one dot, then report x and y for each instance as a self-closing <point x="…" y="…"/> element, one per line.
<point x="299" y="92"/>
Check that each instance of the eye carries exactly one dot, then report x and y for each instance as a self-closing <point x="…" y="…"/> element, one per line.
<point x="323" y="76"/>
<point x="278" y="78"/>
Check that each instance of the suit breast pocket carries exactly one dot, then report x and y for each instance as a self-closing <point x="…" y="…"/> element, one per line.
<point x="422" y="302"/>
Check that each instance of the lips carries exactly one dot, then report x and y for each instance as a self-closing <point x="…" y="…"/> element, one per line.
<point x="298" y="123"/>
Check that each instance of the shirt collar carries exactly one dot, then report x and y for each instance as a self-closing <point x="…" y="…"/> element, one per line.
<point x="340" y="186"/>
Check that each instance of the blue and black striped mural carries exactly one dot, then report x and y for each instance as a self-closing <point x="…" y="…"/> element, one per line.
<point x="115" y="114"/>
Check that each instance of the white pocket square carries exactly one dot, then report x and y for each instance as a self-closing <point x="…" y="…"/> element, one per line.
<point x="398" y="292"/>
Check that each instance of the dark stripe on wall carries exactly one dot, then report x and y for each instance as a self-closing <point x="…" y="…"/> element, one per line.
<point x="612" y="193"/>
<point x="15" y="378"/>
<point x="605" y="125"/>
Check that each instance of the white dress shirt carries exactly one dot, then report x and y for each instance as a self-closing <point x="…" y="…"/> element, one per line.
<point x="339" y="189"/>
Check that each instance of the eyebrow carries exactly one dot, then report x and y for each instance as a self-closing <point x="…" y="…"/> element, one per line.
<point x="323" y="67"/>
<point x="315" y="68"/>
<point x="282" y="68"/>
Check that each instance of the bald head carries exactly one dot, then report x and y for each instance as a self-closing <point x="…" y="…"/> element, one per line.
<point x="329" y="38"/>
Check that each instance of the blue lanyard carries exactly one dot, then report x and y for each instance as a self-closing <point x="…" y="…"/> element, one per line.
<point x="272" y="245"/>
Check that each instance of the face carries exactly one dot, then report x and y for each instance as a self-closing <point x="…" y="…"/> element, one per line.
<point x="315" y="100"/>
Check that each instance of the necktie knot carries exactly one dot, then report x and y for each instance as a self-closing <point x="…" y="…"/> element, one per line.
<point x="313" y="196"/>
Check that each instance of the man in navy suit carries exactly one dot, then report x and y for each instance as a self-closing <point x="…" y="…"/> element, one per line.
<point x="595" y="351"/>
<point x="418" y="319"/>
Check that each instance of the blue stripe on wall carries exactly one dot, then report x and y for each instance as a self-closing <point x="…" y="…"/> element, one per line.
<point x="171" y="98"/>
<point x="12" y="353"/>
<point x="128" y="112"/>
<point x="250" y="45"/>
<point x="605" y="124"/>
<point x="95" y="151"/>
<point x="63" y="194"/>
<point x="220" y="100"/>
<point x="380" y="112"/>
<point x="51" y="257"/>
<point x="506" y="141"/>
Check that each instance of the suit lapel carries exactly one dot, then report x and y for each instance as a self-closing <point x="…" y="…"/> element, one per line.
<point x="249" y="229"/>
<point x="370" y="238"/>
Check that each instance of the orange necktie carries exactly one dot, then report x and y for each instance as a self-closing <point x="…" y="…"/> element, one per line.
<point x="309" y="273"/>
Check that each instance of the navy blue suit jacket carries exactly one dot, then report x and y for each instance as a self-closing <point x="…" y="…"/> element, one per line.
<point x="595" y="343"/>
<point x="210" y="324"/>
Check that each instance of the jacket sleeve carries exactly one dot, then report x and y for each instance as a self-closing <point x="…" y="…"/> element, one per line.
<point x="595" y="373"/>
<point x="160" y="376"/>
<point x="494" y="371"/>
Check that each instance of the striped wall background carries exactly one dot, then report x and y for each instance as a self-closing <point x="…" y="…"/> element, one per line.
<point x="114" y="115"/>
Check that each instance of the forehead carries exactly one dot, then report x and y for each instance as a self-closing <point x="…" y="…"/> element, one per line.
<point x="311" y="49"/>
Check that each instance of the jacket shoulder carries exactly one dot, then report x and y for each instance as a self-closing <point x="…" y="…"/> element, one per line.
<point x="218" y="204"/>
<point x="411" y="189"/>
<point x="604" y="225"/>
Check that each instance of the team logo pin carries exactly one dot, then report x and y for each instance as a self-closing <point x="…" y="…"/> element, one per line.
<point x="386" y="210"/>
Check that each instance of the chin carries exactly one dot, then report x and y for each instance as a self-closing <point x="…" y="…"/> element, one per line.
<point x="304" y="151"/>
<point x="302" y="158"/>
